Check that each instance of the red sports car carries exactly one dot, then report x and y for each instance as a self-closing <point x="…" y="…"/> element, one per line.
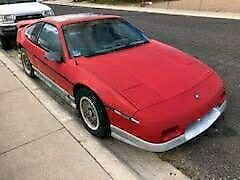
<point x="123" y="84"/>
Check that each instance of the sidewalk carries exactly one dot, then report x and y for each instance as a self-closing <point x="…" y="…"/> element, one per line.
<point x="33" y="144"/>
<point x="232" y="6"/>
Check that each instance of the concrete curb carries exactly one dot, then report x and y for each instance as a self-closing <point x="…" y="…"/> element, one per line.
<point x="219" y="15"/>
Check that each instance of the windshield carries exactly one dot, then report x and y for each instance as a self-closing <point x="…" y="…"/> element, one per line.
<point x="15" y="1"/>
<point x="101" y="36"/>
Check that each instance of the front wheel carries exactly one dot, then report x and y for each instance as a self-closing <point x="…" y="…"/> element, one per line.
<point x="27" y="66"/>
<point x="92" y="112"/>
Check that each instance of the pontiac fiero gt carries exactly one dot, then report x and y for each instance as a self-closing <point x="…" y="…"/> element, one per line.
<point x="123" y="84"/>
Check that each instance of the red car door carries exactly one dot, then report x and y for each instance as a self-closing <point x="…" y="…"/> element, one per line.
<point x="56" y="70"/>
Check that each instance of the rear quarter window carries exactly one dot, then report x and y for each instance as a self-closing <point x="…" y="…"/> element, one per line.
<point x="33" y="31"/>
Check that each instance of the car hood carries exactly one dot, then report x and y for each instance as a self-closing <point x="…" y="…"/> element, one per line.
<point x="23" y="8"/>
<point x="149" y="73"/>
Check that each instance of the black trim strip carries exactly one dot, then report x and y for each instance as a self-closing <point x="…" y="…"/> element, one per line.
<point x="54" y="71"/>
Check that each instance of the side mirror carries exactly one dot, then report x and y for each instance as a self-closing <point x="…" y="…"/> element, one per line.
<point x="39" y="1"/>
<point x="54" y="56"/>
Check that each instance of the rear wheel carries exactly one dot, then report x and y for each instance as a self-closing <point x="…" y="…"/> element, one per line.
<point x="92" y="113"/>
<point x="5" y="42"/>
<point x="27" y="66"/>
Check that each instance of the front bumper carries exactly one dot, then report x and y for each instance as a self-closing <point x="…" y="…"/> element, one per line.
<point x="8" y="30"/>
<point x="192" y="131"/>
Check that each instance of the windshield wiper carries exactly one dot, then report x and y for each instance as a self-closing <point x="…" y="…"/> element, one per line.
<point x="99" y="52"/>
<point x="138" y="42"/>
<point x="130" y="44"/>
<point x="119" y="47"/>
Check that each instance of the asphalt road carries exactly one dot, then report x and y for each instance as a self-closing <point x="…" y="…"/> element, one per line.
<point x="216" y="153"/>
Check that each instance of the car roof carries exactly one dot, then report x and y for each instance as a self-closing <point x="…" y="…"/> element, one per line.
<point x="75" y="18"/>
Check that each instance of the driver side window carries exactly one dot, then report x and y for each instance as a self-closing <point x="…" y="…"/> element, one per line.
<point x="49" y="40"/>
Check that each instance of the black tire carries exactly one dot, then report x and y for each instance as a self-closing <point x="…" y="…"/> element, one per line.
<point x="86" y="96"/>
<point x="27" y="66"/>
<point x="5" y="43"/>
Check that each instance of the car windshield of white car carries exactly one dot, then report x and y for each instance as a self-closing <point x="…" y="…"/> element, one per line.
<point x="101" y="36"/>
<point x="15" y="1"/>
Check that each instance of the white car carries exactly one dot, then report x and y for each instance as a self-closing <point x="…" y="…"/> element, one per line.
<point x="12" y="11"/>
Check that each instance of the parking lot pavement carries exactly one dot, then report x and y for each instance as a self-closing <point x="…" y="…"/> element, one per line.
<point x="33" y="144"/>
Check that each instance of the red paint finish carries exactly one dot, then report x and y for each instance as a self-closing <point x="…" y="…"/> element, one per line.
<point x="181" y="110"/>
<point x="153" y="82"/>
